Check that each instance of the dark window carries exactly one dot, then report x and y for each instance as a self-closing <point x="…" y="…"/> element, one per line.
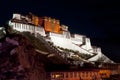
<point x="66" y="75"/>
<point x="75" y="74"/>
<point x="86" y="74"/>
<point x="83" y="74"/>
<point x="71" y="74"/>
<point x="15" y="25"/>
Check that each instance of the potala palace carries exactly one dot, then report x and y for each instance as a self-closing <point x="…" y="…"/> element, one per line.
<point x="59" y="35"/>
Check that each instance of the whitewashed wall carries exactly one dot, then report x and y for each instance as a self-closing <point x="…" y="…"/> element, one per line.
<point x="40" y="30"/>
<point x="26" y="27"/>
<point x="77" y="39"/>
<point x="66" y="43"/>
<point x="16" y="16"/>
<point x="87" y="45"/>
<point x="96" y="57"/>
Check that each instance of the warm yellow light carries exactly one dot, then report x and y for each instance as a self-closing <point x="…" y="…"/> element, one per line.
<point x="57" y="76"/>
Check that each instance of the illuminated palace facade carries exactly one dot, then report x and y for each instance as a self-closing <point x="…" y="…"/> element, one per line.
<point x="58" y="34"/>
<point x="53" y="31"/>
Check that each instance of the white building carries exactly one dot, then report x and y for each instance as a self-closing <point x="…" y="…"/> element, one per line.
<point x="22" y="23"/>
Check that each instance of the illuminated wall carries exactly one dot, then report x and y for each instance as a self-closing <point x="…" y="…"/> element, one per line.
<point x="104" y="73"/>
<point x="35" y="20"/>
<point x="75" y="75"/>
<point x="51" y="25"/>
<point x="66" y="43"/>
<point x="27" y="27"/>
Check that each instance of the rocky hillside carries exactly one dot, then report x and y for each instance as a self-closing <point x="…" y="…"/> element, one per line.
<point x="18" y="59"/>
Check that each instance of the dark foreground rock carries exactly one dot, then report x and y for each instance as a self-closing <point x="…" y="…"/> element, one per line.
<point x="19" y="61"/>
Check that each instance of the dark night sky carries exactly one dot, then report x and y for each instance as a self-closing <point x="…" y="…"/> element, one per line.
<point x="97" y="19"/>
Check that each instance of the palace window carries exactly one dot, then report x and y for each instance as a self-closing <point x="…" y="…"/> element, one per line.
<point x="66" y="75"/>
<point x="71" y="74"/>
<point x="15" y="25"/>
<point x="75" y="74"/>
<point x="23" y="26"/>
<point x="86" y="74"/>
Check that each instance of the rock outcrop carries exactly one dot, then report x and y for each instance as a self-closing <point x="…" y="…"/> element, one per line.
<point x="18" y="60"/>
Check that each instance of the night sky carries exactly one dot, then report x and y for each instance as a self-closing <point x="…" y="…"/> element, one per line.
<point x="97" y="19"/>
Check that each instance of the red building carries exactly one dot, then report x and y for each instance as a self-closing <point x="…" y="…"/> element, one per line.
<point x="49" y="24"/>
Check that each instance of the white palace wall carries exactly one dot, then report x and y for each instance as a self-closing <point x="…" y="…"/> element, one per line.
<point x="60" y="41"/>
<point x="27" y="27"/>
